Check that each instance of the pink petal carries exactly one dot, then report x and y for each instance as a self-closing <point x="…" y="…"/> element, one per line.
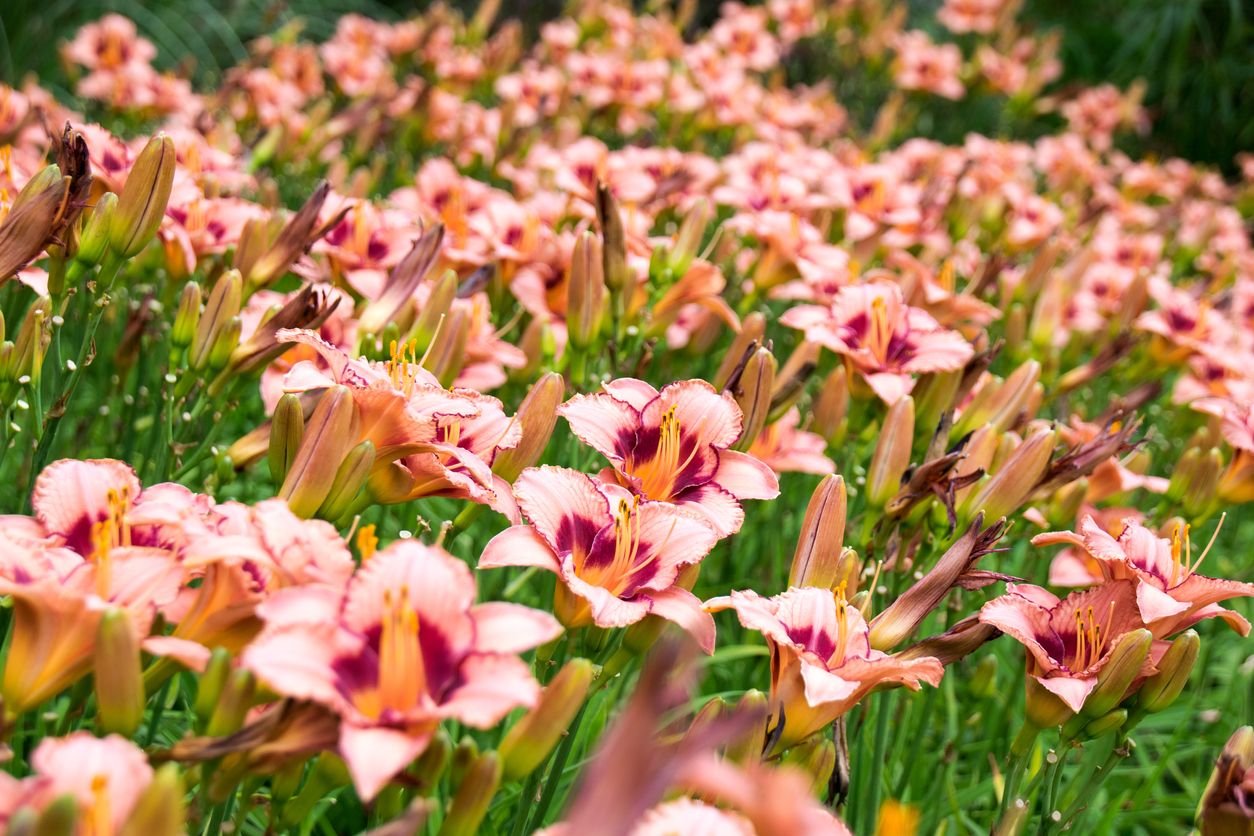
<point x="494" y="685"/>
<point x="1071" y="691"/>
<point x="305" y="376"/>
<point x="635" y="393"/>
<point x="823" y="686"/>
<point x="375" y="755"/>
<point x="296" y="662"/>
<point x="502" y="627"/>
<point x="700" y="410"/>
<point x="682" y="607"/>
<point x="189" y="654"/>
<point x="745" y="477"/>
<point x="717" y="507"/>
<point x="518" y="545"/>
<point x="608" y="610"/>
<point x="72" y="496"/>
<point x="565" y="506"/>
<point x="604" y="423"/>
<point x="890" y="387"/>
<point x="1155" y="604"/>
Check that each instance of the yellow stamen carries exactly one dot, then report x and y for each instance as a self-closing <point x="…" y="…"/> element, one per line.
<point x="842" y="626"/>
<point x="946" y="277"/>
<point x="658" y="474"/>
<point x="1206" y="551"/>
<point x="880" y="333"/>
<point x="1179" y="552"/>
<point x="361" y="236"/>
<point x="367" y="543"/>
<point x="401" y="365"/>
<point x="100" y="819"/>
<point x="402" y="674"/>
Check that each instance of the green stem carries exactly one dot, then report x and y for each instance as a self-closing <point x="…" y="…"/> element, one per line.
<point x="1094" y="783"/>
<point x="871" y="814"/>
<point x="1051" y="787"/>
<point x="157" y="711"/>
<point x="464" y="520"/>
<point x="929" y="704"/>
<point x="525" y="800"/>
<point x="555" y="772"/>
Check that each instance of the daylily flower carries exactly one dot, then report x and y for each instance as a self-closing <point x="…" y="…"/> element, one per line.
<point x="671" y="446"/>
<point x="784" y="448"/>
<point x="822" y="663"/>
<point x="617" y="558"/>
<point x="1069" y="641"/>
<point x="881" y="337"/>
<point x="405" y="649"/>
<point x="1170" y="595"/>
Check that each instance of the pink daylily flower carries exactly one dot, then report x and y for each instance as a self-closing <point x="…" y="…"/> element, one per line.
<point x="402" y="650"/>
<point x="881" y="337"/>
<point x="822" y="663"/>
<point x="671" y="446"/>
<point x="1170" y="595"/>
<point x="1070" y="640"/>
<point x="786" y="449"/>
<point x="617" y="558"/>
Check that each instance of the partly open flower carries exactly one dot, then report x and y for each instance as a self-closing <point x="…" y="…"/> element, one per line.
<point x="881" y="337"/>
<point x="1170" y="595"/>
<point x="671" y="446"/>
<point x="822" y="663"/>
<point x="617" y="558"/>
<point x="405" y="649"/>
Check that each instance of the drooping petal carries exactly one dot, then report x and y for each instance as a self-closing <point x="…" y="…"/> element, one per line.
<point x="604" y="423"/>
<point x="716" y="506"/>
<point x="745" y="477"/>
<point x="191" y="655"/>
<point x="374" y="754"/>
<point x="519" y="545"/>
<point x="501" y="627"/>
<point x="683" y="608"/>
<point x="1072" y="691"/>
<point x="1156" y="604"/>
<point x="823" y="687"/>
<point x="492" y="686"/>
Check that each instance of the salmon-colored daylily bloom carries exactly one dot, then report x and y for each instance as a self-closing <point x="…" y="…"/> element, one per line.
<point x="1170" y="595"/>
<point x="106" y="776"/>
<point x="403" y="649"/>
<point x="1069" y="641"/>
<point x="671" y="446"/>
<point x="617" y="558"/>
<point x="822" y="663"/>
<point x="881" y="337"/>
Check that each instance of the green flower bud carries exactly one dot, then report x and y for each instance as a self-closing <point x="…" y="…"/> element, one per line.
<point x="188" y="317"/>
<point x="1108" y="723"/>
<point x="1160" y="690"/>
<point x="328" y="438"/>
<point x="892" y="453"/>
<point x="59" y="818"/>
<point x="349" y="480"/>
<point x="1116" y="676"/>
<point x="93" y="240"/>
<point x="536" y="416"/>
<point x="223" y="304"/>
<point x="585" y="307"/>
<point x="474" y="795"/>
<point x="984" y="680"/>
<point x="533" y="737"/>
<point x="287" y="428"/>
<point x="118" y="676"/>
<point x="463" y="758"/>
<point x="226" y="340"/>
<point x="211" y="683"/>
<point x="159" y="811"/>
<point x="615" y="271"/>
<point x="747" y="747"/>
<point x="753" y="395"/>
<point x="141" y="206"/>
<point x="816" y="758"/>
<point x="233" y="704"/>
<point x="436" y="308"/>
<point x="752" y="329"/>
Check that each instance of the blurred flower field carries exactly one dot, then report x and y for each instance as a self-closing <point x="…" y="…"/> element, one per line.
<point x="792" y="419"/>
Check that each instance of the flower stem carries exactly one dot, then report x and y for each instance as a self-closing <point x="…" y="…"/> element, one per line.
<point x="871" y="813"/>
<point x="555" y="772"/>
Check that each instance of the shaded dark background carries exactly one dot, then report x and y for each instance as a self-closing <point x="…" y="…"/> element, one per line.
<point x="1197" y="56"/>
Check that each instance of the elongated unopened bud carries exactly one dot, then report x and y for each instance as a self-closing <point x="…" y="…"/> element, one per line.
<point x="1117" y="674"/>
<point x="118" y="676"/>
<point x="298" y="234"/>
<point x="474" y="795"/>
<point x="225" y="342"/>
<point x="529" y="742"/>
<point x="429" y="766"/>
<point x="614" y="237"/>
<point x="538" y="345"/>
<point x="815" y="758"/>
<point x="349" y="480"/>
<point x="1108" y="723"/>
<point x="211" y="682"/>
<point x="752" y="328"/>
<point x="93" y="240"/>
<point x="831" y="407"/>
<point x="892" y="453"/>
<point x="747" y="747"/>
<point x="328" y="773"/>
<point x="816" y="562"/>
<point x="327" y="439"/>
<point x="1008" y="488"/>
<point x="688" y="240"/>
<point x="223" y="305"/>
<point x="585" y="307"/>
<point x="183" y="332"/>
<point x="1011" y="399"/>
<point x="1204" y="484"/>
<point x="141" y="206"/>
<point x="464" y="756"/>
<point x="60" y="818"/>
<point x="447" y="353"/>
<point x="1160" y="690"/>
<point x="287" y="428"/>
<point x="32" y="339"/>
<point x="233" y="704"/>
<point x="536" y="417"/>
<point x="403" y="281"/>
<point x="159" y="811"/>
<point x="254" y="239"/>
<point x="753" y="395"/>
<point x="984" y="680"/>
<point x="434" y="310"/>
<point x="1182" y="474"/>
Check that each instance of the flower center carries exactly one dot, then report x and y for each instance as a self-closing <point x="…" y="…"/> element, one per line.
<point x="403" y="364"/>
<point x="402" y="675"/>
<point x="657" y="475"/>
<point x="367" y="542"/>
<point x="1090" y="637"/>
<point x="100" y="817"/>
<point x="842" y="627"/>
<point x="361" y="235"/>
<point x="880" y="334"/>
<point x="1182" y="564"/>
<point x="111" y="533"/>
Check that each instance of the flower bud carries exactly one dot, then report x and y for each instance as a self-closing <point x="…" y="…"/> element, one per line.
<point x="224" y="342"/>
<point x="791" y="379"/>
<point x="233" y="704"/>
<point x="403" y="281"/>
<point x="816" y="758"/>
<point x="141" y="206"/>
<point x="43" y="180"/>
<point x="710" y="713"/>
<point x="188" y="317"/>
<point x="1219" y="813"/>
<point x="349" y="480"/>
<point x="746" y="748"/>
<point x="831" y="407"/>
<point x="1011" y="399"/>
<point x="1001" y="494"/>
<point x="1132" y="302"/>
<point x="1116" y="676"/>
<point x="93" y="240"/>
<point x="159" y="811"/>
<point x="1204" y="484"/>
<point x="892" y="453"/>
<point x="34" y="219"/>
<point x="295" y="237"/>
<point x="817" y="560"/>
<point x="585" y="306"/>
<point x="1108" y="723"/>
<point x="32" y="342"/>
<point x="539" y="347"/>
<point x="474" y="795"/>
<point x="439" y="303"/>
<point x="254" y="239"/>
<point x="1047" y="314"/>
<point x="464" y="756"/>
<point x="119" y="678"/>
<point x="22" y="822"/>
<point x="984" y="679"/>
<point x="1016" y="329"/>
<point x="753" y="396"/>
<point x="688" y="240"/>
<point x="287" y="428"/>
<point x="752" y="328"/>
<point x="211" y="682"/>
<point x="223" y="304"/>
<point x="1174" y="668"/>
<point x="328" y="773"/>
<point x="615" y="271"/>
<point x="327" y="439"/>
<point x="529" y="742"/>
<point x="1237" y="483"/>
<point x="60" y="818"/>
<point x="429" y="766"/>
<point x="536" y="417"/>
<point x="934" y="396"/>
<point x="447" y="353"/>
